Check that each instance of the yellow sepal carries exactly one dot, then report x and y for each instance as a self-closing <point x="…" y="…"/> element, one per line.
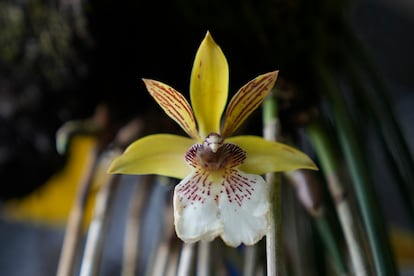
<point x="161" y="154"/>
<point x="209" y="86"/>
<point x="265" y="156"/>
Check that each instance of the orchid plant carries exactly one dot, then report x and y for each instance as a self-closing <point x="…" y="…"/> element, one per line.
<point x="222" y="192"/>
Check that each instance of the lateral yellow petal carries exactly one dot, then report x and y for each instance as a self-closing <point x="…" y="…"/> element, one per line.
<point x="265" y="156"/>
<point x="161" y="154"/>
<point x="209" y="86"/>
<point x="247" y="100"/>
<point x="174" y="104"/>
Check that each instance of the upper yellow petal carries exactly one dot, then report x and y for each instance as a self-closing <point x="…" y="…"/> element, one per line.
<point x="247" y="100"/>
<point x="174" y="104"/>
<point x="161" y="154"/>
<point x="265" y="156"/>
<point x="209" y="86"/>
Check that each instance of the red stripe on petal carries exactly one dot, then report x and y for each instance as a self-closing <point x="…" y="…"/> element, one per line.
<point x="237" y="186"/>
<point x="174" y="104"/>
<point x="196" y="188"/>
<point x="246" y="100"/>
<point x="202" y="157"/>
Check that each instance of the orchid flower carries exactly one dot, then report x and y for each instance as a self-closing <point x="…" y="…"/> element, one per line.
<point x="222" y="192"/>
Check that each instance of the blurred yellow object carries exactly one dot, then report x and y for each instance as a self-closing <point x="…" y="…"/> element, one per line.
<point x="51" y="203"/>
<point x="402" y="242"/>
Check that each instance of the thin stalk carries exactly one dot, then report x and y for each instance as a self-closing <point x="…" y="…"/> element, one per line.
<point x="159" y="257"/>
<point x="172" y="259"/>
<point x="373" y="220"/>
<point x="97" y="228"/>
<point x="300" y="243"/>
<point x="133" y="229"/>
<point x="185" y="263"/>
<point x="249" y="264"/>
<point x="274" y="250"/>
<point x="328" y="157"/>
<point x="158" y="266"/>
<point x="309" y="193"/>
<point x="73" y="235"/>
<point x="203" y="258"/>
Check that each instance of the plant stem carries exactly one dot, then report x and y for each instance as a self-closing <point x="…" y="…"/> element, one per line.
<point x="172" y="259"/>
<point x="374" y="223"/>
<point x="249" y="261"/>
<point x="158" y="258"/>
<point x="133" y="225"/>
<point x="328" y="157"/>
<point x="331" y="244"/>
<point x="73" y="235"/>
<point x="309" y="193"/>
<point x="203" y="258"/>
<point x="184" y="265"/>
<point x="398" y="159"/>
<point x="97" y="228"/>
<point x="274" y="236"/>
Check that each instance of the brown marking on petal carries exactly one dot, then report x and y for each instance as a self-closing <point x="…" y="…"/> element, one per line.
<point x="227" y="156"/>
<point x="249" y="97"/>
<point x="170" y="102"/>
<point x="219" y="169"/>
<point x="193" y="191"/>
<point x="228" y="194"/>
<point x="174" y="104"/>
<point x="237" y="187"/>
<point x="191" y="155"/>
<point x="251" y="102"/>
<point x="255" y="88"/>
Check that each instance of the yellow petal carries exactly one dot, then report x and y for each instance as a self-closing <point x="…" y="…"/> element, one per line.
<point x="247" y="100"/>
<point x="174" y="104"/>
<point x="161" y="154"/>
<point x="266" y="156"/>
<point x="209" y="86"/>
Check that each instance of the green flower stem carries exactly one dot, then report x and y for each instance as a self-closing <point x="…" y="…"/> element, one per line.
<point x="274" y="252"/>
<point x="374" y="223"/>
<point x="328" y="157"/>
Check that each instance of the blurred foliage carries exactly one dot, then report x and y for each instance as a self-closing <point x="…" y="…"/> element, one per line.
<point x="42" y="68"/>
<point x="38" y="45"/>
